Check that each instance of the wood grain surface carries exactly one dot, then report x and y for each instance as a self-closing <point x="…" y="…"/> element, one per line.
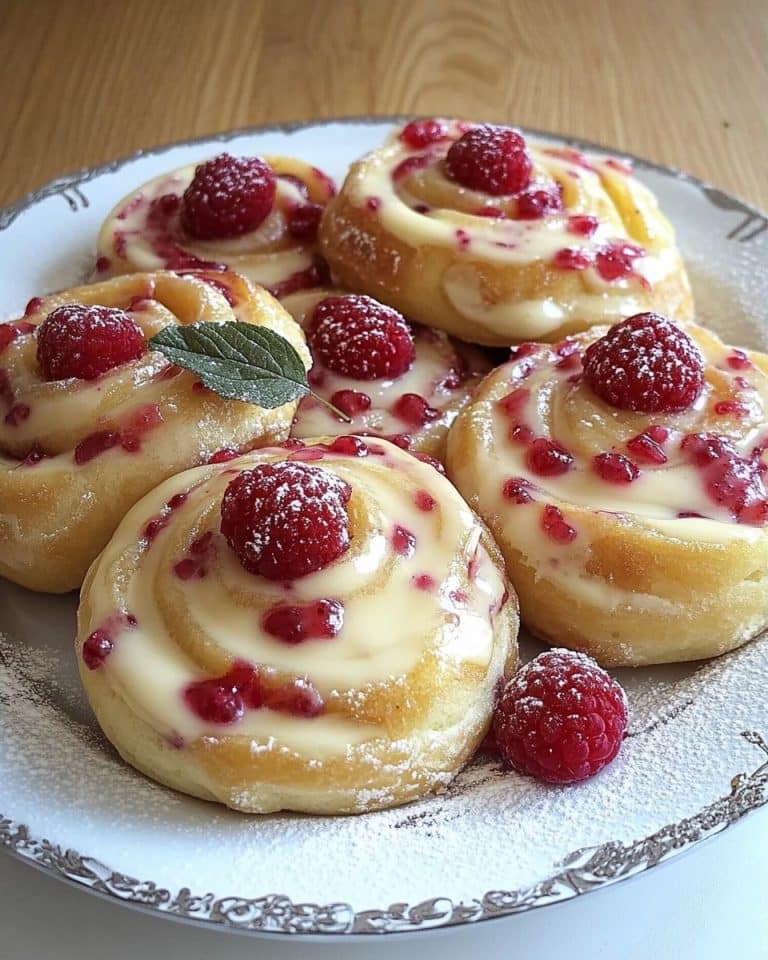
<point x="682" y="82"/>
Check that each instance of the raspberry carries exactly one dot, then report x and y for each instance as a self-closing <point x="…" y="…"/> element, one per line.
<point x="13" y="331"/>
<point x="82" y="341"/>
<point x="492" y="159"/>
<point x="645" y="363"/>
<point x="358" y="337"/>
<point x="561" y="718"/>
<point x="228" y="196"/>
<point x="285" y="520"/>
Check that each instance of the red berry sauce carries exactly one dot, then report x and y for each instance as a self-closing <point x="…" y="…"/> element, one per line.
<point x="423" y="581"/>
<point x="555" y="526"/>
<point x="100" y="644"/>
<point x="615" y="468"/>
<point x="517" y="490"/>
<point x="424" y="501"/>
<point x="403" y="541"/>
<point x="547" y="458"/>
<point x="351" y="402"/>
<point x="414" y="410"/>
<point x="295" y="623"/>
<point x="224" y="700"/>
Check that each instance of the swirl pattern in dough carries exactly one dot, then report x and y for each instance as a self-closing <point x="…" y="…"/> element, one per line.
<point x="376" y="712"/>
<point x="639" y="538"/>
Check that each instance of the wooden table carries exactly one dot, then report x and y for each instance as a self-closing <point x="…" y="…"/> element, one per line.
<point x="682" y="82"/>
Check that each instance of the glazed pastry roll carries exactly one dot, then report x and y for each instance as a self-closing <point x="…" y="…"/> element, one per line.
<point x="258" y="216"/>
<point x="475" y="230"/>
<point x="237" y="639"/>
<point x="393" y="379"/>
<point x="91" y="420"/>
<point x="623" y="475"/>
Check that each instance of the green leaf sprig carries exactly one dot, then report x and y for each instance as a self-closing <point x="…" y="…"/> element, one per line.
<point x="239" y="361"/>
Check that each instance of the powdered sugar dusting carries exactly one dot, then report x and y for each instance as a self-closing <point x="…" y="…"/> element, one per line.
<point x="488" y="830"/>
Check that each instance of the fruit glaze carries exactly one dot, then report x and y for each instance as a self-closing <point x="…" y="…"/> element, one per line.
<point x="393" y="379"/>
<point x="258" y="216"/>
<point x="90" y="419"/>
<point x="237" y="642"/>
<point x="622" y="473"/>
<point x="497" y="239"/>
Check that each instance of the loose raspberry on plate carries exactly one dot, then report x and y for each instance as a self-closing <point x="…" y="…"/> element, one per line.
<point x="561" y="718"/>
<point x="358" y="337"/>
<point x="84" y="341"/>
<point x="228" y="196"/>
<point x="490" y="158"/>
<point x="647" y="364"/>
<point x="285" y="520"/>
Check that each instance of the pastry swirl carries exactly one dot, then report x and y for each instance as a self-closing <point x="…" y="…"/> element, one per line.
<point x="76" y="454"/>
<point x="639" y="538"/>
<point x="382" y="712"/>
<point x="144" y="231"/>
<point x="591" y="247"/>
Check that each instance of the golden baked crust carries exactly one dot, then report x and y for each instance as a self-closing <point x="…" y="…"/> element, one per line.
<point x="406" y="699"/>
<point x="58" y="512"/>
<point x="444" y="373"/>
<point x="632" y="578"/>
<point x="138" y="236"/>
<point x="428" y="246"/>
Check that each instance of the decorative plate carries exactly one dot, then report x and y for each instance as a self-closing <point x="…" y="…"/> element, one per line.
<point x="494" y="844"/>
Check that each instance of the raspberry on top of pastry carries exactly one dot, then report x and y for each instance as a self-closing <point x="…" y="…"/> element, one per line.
<point x="494" y="238"/>
<point x="236" y="637"/>
<point x="622" y="472"/>
<point x="256" y="215"/>
<point x="91" y="418"/>
<point x="393" y="379"/>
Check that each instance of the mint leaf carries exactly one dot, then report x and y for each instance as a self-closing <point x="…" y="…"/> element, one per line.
<point x="238" y="361"/>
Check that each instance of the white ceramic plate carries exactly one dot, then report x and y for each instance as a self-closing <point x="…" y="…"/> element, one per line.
<point x="493" y="845"/>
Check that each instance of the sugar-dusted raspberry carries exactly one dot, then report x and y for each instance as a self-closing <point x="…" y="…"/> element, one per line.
<point x="420" y="133"/>
<point x="285" y="520"/>
<point x="645" y="363"/>
<point x="228" y="196"/>
<point x="84" y="341"/>
<point x="561" y="718"/>
<point x="358" y="337"/>
<point x="490" y="158"/>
